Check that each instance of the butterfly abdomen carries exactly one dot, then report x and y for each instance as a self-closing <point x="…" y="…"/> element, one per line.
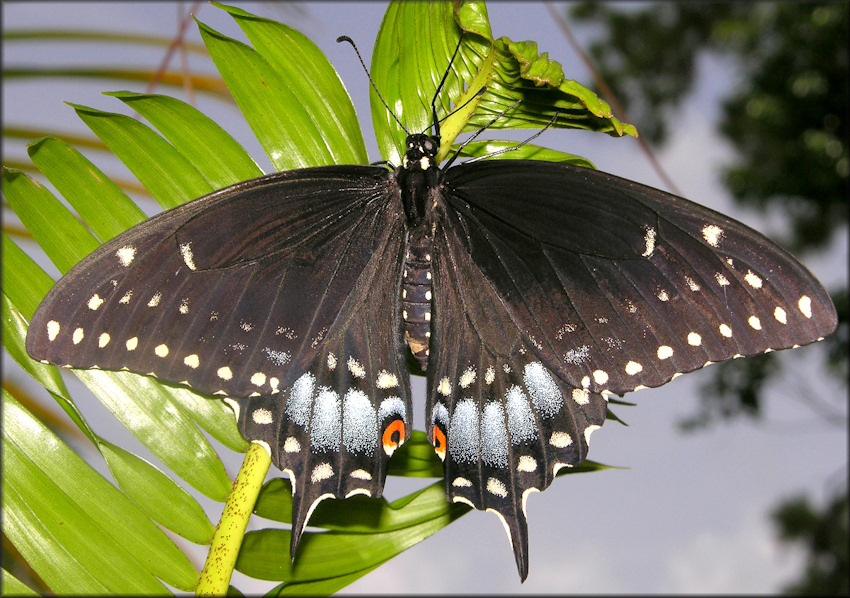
<point x="416" y="297"/>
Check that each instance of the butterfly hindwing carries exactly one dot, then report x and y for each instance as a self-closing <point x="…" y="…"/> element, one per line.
<point x="620" y="286"/>
<point x="502" y="422"/>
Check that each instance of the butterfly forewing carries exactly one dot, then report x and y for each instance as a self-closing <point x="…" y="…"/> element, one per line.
<point x="619" y="286"/>
<point x="281" y="295"/>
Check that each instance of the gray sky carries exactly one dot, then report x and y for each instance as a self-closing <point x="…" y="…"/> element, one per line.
<point x="690" y="513"/>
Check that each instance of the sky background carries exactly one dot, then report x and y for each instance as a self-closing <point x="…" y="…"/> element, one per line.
<point x="690" y="514"/>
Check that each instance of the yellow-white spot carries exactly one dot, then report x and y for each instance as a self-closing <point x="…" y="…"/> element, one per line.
<point x="361" y="474"/>
<point x="694" y="339"/>
<point x="103" y="340"/>
<point x="386" y="380"/>
<point x="291" y="445"/>
<point x="331" y="361"/>
<point x="649" y="240"/>
<point x="581" y="396"/>
<point x="95" y="302"/>
<point x="126" y="298"/>
<point x="444" y="387"/>
<point x="712" y="234"/>
<point x="588" y="431"/>
<point x="525" y="494"/>
<point x="721" y="279"/>
<point x="467" y="377"/>
<point x="235" y="406"/>
<point x="322" y="471"/>
<point x="633" y="367"/>
<point x="460" y="482"/>
<point x="497" y="487"/>
<point x="258" y="379"/>
<point x="663" y="296"/>
<point x="188" y="258"/>
<point x="157" y="297"/>
<point x="805" y="305"/>
<point x="225" y="373"/>
<point x="464" y="500"/>
<point x="753" y="279"/>
<point x="725" y="330"/>
<point x="161" y="350"/>
<point x="132" y="343"/>
<point x="193" y="361"/>
<point x="53" y="329"/>
<point x="779" y="314"/>
<point x="692" y="284"/>
<point x="184" y="306"/>
<point x="126" y="255"/>
<point x="424" y="163"/>
<point x="364" y="491"/>
<point x="754" y="322"/>
<point x="78" y="336"/>
<point x="600" y="376"/>
<point x="560" y="439"/>
<point x="428" y="295"/>
<point x="489" y="375"/>
<point x="585" y="381"/>
<point x="427" y="316"/>
<point x="356" y="368"/>
<point x="273" y="382"/>
<point x="262" y="416"/>
<point x="527" y="463"/>
<point x="665" y="352"/>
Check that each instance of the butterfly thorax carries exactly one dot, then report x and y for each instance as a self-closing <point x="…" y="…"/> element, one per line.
<point x="418" y="178"/>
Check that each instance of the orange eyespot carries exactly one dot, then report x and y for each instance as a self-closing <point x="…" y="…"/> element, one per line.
<point x="439" y="442"/>
<point x="393" y="436"/>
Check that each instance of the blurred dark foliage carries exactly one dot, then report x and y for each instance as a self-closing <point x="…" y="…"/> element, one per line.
<point x="824" y="533"/>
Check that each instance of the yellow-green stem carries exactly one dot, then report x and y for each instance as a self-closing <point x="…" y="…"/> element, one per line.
<point x="215" y="578"/>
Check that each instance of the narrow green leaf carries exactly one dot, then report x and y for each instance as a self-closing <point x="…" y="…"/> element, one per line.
<point x="204" y="143"/>
<point x="72" y="517"/>
<point x="176" y="79"/>
<point x="61" y="235"/>
<point x="98" y="201"/>
<point x="39" y="35"/>
<point x="411" y="54"/>
<point x="148" y="410"/>
<point x="212" y="414"/>
<point x="277" y="116"/>
<point x="526" y="152"/>
<point x="337" y="553"/>
<point x="157" y="495"/>
<point x="164" y="171"/>
<point x="309" y="77"/>
<point x="24" y="281"/>
<point x="12" y="586"/>
<point x="14" y="339"/>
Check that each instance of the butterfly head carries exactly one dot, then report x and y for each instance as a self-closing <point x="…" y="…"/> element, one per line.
<point x="421" y="151"/>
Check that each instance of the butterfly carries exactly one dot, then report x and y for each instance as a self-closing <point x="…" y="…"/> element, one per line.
<point x="527" y="291"/>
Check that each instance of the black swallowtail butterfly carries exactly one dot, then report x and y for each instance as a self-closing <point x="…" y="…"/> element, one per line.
<point x="528" y="291"/>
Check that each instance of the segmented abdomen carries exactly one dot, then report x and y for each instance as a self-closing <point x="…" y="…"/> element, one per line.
<point x="416" y="298"/>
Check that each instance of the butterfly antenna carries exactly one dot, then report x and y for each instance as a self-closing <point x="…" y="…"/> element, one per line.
<point x="345" y="38"/>
<point x="442" y="82"/>
<point x="487" y="126"/>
